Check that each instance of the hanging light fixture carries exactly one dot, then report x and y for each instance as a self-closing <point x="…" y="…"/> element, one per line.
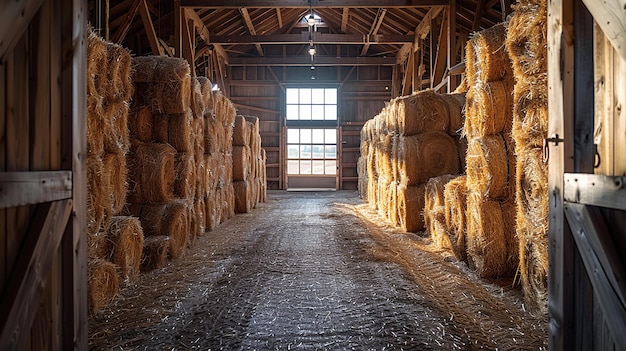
<point x="312" y="51"/>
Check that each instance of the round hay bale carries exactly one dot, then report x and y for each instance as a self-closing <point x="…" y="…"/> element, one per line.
<point x="144" y="68"/>
<point x="462" y="144"/>
<point x="98" y="245"/>
<point x="201" y="177"/>
<point x="174" y="129"/>
<point x="140" y="123"/>
<point x="170" y="97"/>
<point x="171" y="219"/>
<point x="242" y="196"/>
<point x="198" y="139"/>
<point x="96" y="64"/>
<point x="526" y="41"/>
<point x="455" y="202"/>
<point x="96" y="190"/>
<point x="205" y="91"/>
<point x="102" y="283"/>
<point x="530" y="117"/>
<point x="486" y="56"/>
<point x="392" y="203"/>
<point x="213" y="134"/>
<point x="361" y="170"/>
<point x="185" y="175"/>
<point x="119" y="62"/>
<point x="532" y="193"/>
<point x="95" y="125"/>
<point x="241" y="163"/>
<point x="200" y="211"/>
<point x="533" y="257"/>
<point x="125" y="236"/>
<point x="434" y="196"/>
<point x="436" y="225"/>
<point x="116" y="134"/>
<point x="197" y="100"/>
<point x="152" y="168"/>
<point x="411" y="206"/>
<point x="486" y="245"/>
<point x="425" y="156"/>
<point x="420" y="112"/>
<point x="489" y="109"/>
<point x="509" y="214"/>
<point x="115" y="176"/>
<point x="155" y="252"/>
<point x="385" y="156"/>
<point x="488" y="166"/>
<point x="212" y="215"/>
<point x="456" y="106"/>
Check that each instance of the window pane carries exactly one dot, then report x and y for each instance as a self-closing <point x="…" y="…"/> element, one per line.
<point x="317" y="112"/>
<point x="305" y="167"/>
<point x="317" y="96"/>
<point x="293" y="136"/>
<point x="305" y="112"/>
<point x="293" y="167"/>
<point x="305" y="136"/>
<point x="318" y="136"/>
<point x="330" y="112"/>
<point x="331" y="136"/>
<point x="331" y="96"/>
<point x="317" y="151"/>
<point x="318" y="167"/>
<point x="292" y="111"/>
<point x="305" y="96"/>
<point x="293" y="151"/>
<point x="331" y="151"/>
<point x="330" y="166"/>
<point x="305" y="151"/>
<point x="292" y="96"/>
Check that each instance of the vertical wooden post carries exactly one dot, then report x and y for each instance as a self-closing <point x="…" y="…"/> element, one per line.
<point x="453" y="81"/>
<point x="178" y="29"/>
<point x="74" y="149"/>
<point x="561" y="110"/>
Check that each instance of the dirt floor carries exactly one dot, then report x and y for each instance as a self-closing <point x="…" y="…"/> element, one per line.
<point x="315" y="271"/>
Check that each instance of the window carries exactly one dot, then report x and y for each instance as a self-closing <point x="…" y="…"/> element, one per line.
<point x="311" y="104"/>
<point x="311" y="151"/>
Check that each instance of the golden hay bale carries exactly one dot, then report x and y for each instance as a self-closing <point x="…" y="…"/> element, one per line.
<point x="175" y="129"/>
<point x="427" y="155"/>
<point x="96" y="64"/>
<point x="526" y="42"/>
<point x="455" y="202"/>
<point x="488" y="166"/>
<point x="119" y="85"/>
<point x="144" y="68"/>
<point x="533" y="266"/>
<point x="489" y="109"/>
<point x="410" y="207"/>
<point x="383" y="195"/>
<point x="205" y="91"/>
<point x="392" y="203"/>
<point x="185" y="175"/>
<point x="372" y="192"/>
<point x="486" y="56"/>
<point x="170" y="218"/>
<point x="201" y="177"/>
<point x="116" y="134"/>
<point x="115" y="176"/>
<point x="361" y="170"/>
<point x="95" y="125"/>
<point x="102" y="283"/>
<point x="434" y="191"/>
<point x="229" y="200"/>
<point x="155" y="252"/>
<point x="532" y="193"/>
<point x="97" y="244"/>
<point x="463" y="87"/>
<point x="423" y="111"/>
<point x="509" y="214"/>
<point x="456" y="107"/>
<point x="372" y="170"/>
<point x="96" y="190"/>
<point x="395" y="150"/>
<point x="200" y="211"/>
<point x="197" y="100"/>
<point x="384" y="156"/>
<point x="461" y="144"/>
<point x="241" y="131"/>
<point x="486" y="245"/>
<point x="213" y="135"/>
<point x="242" y="196"/>
<point x="436" y="225"/>
<point x="125" y="236"/>
<point x="170" y="97"/>
<point x="198" y="136"/>
<point x="140" y="123"/>
<point x="152" y="169"/>
<point x="211" y="214"/>
<point x="530" y="117"/>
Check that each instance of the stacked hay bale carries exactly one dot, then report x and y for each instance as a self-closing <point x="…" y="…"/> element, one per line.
<point x="527" y="47"/>
<point x="490" y="162"/>
<point x="413" y="139"/>
<point x="248" y="164"/>
<point x="114" y="242"/>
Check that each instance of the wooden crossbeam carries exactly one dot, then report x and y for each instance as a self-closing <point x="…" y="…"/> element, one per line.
<point x="420" y="32"/>
<point x="374" y="29"/>
<point x="27" y="188"/>
<point x="279" y="17"/>
<point x="613" y="21"/>
<point x="149" y="27"/>
<point x="234" y="4"/>
<point x="203" y="32"/>
<point x="15" y="17"/>
<point x="441" y="54"/>
<point x="123" y="29"/>
<point x="344" y="18"/>
<point x="320" y="38"/>
<point x="306" y="61"/>
<point x="250" y="25"/>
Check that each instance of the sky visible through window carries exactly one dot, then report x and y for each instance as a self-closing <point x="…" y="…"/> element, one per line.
<point x="312" y="104"/>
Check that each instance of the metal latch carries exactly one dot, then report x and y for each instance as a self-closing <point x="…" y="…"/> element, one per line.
<point x="546" y="150"/>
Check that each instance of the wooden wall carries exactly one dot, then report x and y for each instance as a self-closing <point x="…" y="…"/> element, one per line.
<point x="42" y="266"/>
<point x="260" y="91"/>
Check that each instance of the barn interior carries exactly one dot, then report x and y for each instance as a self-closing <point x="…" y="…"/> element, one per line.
<point x="312" y="174"/>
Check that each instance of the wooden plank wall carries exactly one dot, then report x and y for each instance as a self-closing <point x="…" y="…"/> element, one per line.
<point x="259" y="91"/>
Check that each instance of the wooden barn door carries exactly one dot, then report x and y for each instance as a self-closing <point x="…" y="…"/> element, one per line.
<point x="586" y="151"/>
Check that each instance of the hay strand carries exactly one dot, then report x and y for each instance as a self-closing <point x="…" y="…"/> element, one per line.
<point x="125" y="236"/>
<point x="103" y="283"/>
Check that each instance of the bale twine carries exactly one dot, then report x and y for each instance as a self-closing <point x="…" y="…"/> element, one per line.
<point x="488" y="166"/>
<point x="436" y="225"/>
<point x="530" y="117"/>
<point x="96" y="64"/>
<point x="155" y="252"/>
<point x="241" y="163"/>
<point x="410" y="206"/>
<point x="152" y="168"/>
<point x="185" y="175"/>
<point x="174" y="129"/>
<point x="140" y="123"/>
<point x="455" y="202"/>
<point x="423" y="111"/>
<point x="526" y="41"/>
<point x="486" y="56"/>
<point x="197" y="100"/>
<point x="425" y="156"/>
<point x="119" y="85"/>
<point x="456" y="106"/>
<point x="489" y="109"/>
<point x="116" y="135"/>
<point x="96" y="190"/>
<point x="486" y="246"/>
<point x="125" y="236"/>
<point x="102" y="283"/>
<point x="170" y="218"/>
<point x="95" y="125"/>
<point x="115" y="176"/>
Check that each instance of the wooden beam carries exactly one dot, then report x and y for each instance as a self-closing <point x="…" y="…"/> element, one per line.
<point x="279" y="17"/>
<point x="610" y="16"/>
<point x="408" y="74"/>
<point x="149" y="27"/>
<point x="344" y="18"/>
<point x="480" y="8"/>
<point x="125" y="26"/>
<point x="441" y="55"/>
<point x="248" y="21"/>
<point x="320" y="38"/>
<point x="203" y="32"/>
<point x="282" y="87"/>
<point x="255" y="108"/>
<point x="453" y="81"/>
<point x="179" y="15"/>
<point x="187" y="40"/>
<point x="603" y="267"/>
<point x="420" y="32"/>
<point x="374" y="29"/>
<point x="15" y="16"/>
<point x="306" y="61"/>
<point x="235" y="4"/>
<point x="28" y="188"/>
<point x="595" y="190"/>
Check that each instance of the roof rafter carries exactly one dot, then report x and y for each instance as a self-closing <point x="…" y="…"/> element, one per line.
<point x="250" y="25"/>
<point x="314" y="3"/>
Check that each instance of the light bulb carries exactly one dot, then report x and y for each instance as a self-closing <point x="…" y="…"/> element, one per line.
<point x="312" y="50"/>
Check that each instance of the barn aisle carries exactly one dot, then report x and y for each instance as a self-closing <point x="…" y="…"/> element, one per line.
<point x="314" y="271"/>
